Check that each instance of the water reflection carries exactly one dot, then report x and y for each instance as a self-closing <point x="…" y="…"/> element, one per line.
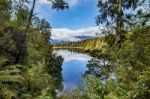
<point x="74" y="67"/>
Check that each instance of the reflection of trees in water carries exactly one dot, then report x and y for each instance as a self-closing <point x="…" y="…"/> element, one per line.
<point x="99" y="68"/>
<point x="78" y="50"/>
<point x="55" y="69"/>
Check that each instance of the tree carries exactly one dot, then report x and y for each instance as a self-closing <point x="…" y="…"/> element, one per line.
<point x="56" y="4"/>
<point x="135" y="63"/>
<point x="114" y="12"/>
<point x="21" y="14"/>
<point x="5" y="10"/>
<point x="31" y="79"/>
<point x="30" y="16"/>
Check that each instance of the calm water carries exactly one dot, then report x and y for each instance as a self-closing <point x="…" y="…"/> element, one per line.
<point x="74" y="66"/>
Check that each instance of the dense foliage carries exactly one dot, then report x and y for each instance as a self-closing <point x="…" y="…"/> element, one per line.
<point x="26" y="58"/>
<point x="118" y="72"/>
<point x="131" y="78"/>
<point x="29" y="69"/>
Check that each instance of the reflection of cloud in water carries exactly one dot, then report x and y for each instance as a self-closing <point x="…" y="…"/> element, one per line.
<point x="74" y="66"/>
<point x="68" y="55"/>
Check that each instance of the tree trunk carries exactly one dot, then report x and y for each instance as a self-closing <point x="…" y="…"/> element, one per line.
<point x="22" y="49"/>
<point x="30" y="16"/>
<point x="118" y="33"/>
<point x="119" y="24"/>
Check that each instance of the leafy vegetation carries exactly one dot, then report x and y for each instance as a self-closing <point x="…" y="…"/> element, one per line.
<point x="131" y="78"/>
<point x="26" y="58"/>
<point x="120" y="68"/>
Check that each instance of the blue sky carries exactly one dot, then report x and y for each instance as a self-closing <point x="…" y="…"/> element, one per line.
<point x="78" y="20"/>
<point x="81" y="14"/>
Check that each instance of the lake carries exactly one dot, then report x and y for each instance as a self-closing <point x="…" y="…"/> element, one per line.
<point x="73" y="68"/>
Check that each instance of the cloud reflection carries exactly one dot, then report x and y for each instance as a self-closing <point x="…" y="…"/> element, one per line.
<point x="68" y="55"/>
<point x="74" y="66"/>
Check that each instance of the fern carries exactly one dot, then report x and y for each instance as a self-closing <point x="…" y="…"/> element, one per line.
<point x="8" y="77"/>
<point x="12" y="79"/>
<point x="7" y="72"/>
<point x="11" y="74"/>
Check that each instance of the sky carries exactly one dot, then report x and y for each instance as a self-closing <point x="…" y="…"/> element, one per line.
<point x="69" y="24"/>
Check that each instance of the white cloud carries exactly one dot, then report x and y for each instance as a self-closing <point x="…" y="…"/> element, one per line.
<point x="66" y="34"/>
<point x="72" y="3"/>
<point x="68" y="56"/>
<point x="43" y="2"/>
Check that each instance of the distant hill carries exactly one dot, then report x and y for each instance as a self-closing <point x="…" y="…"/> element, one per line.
<point x="55" y="42"/>
<point x="87" y="45"/>
<point x="79" y="38"/>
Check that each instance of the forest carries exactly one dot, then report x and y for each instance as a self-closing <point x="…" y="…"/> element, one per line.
<point x="30" y="70"/>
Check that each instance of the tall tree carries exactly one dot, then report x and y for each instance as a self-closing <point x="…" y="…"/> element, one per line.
<point x="30" y="16"/>
<point x="114" y="13"/>
<point x="56" y="4"/>
<point x="119" y="23"/>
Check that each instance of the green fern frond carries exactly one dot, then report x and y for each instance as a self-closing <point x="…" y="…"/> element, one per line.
<point x="11" y="74"/>
<point x="7" y="72"/>
<point x="11" y="78"/>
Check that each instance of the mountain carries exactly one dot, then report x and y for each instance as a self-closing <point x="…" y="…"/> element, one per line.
<point x="77" y="38"/>
<point x="59" y="41"/>
<point x="88" y="44"/>
<point x="84" y="37"/>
